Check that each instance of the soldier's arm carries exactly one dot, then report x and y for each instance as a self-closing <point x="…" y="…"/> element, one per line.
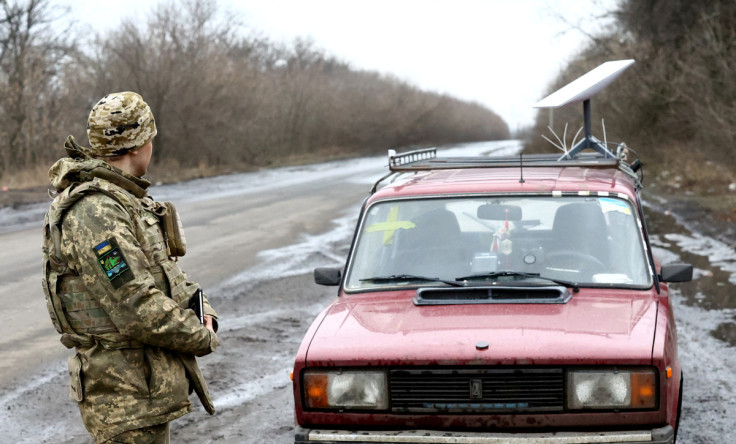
<point x="98" y="237"/>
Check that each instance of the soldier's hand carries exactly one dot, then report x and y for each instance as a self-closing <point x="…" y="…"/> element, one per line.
<point x="208" y="323"/>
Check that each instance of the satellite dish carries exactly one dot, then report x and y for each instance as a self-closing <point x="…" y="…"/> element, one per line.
<point x="586" y="86"/>
<point x="581" y="90"/>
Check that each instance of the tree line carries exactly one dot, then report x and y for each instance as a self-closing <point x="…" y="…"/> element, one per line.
<point x="224" y="98"/>
<point x="677" y="105"/>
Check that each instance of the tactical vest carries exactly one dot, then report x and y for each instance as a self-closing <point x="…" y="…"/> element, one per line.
<point x="74" y="311"/>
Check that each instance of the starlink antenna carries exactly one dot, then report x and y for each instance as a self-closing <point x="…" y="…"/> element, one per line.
<point x="581" y="90"/>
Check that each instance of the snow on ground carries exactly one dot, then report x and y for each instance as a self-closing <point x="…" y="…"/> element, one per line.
<point x="709" y="368"/>
<point x="23" y="217"/>
<point x="301" y="257"/>
<point x="719" y="254"/>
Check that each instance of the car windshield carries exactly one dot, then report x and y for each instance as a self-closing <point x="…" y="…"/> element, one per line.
<point x="594" y="241"/>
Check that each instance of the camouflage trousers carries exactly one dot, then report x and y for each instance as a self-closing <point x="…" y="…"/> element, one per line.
<point x="158" y="434"/>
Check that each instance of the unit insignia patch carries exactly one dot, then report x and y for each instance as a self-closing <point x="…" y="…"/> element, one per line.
<point x="113" y="262"/>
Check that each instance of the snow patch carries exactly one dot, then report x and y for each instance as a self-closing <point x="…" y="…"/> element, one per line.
<point x="302" y="257"/>
<point x="250" y="390"/>
<point x="709" y="368"/>
<point x="719" y="254"/>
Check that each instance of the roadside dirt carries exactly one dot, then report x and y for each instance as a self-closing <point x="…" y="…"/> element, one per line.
<point x="16" y="197"/>
<point x="712" y="215"/>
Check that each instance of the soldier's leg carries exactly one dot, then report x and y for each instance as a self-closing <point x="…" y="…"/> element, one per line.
<point x="158" y="434"/>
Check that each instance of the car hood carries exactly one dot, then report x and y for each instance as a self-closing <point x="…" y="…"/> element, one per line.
<point x="594" y="327"/>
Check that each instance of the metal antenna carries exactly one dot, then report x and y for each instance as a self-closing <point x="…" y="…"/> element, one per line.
<point x="521" y="168"/>
<point x="562" y="142"/>
<point x="605" y="140"/>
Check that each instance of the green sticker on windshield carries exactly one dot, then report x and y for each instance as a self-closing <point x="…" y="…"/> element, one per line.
<point x="390" y="226"/>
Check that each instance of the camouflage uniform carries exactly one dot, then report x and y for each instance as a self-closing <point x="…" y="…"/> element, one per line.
<point x="158" y="434"/>
<point x="114" y="291"/>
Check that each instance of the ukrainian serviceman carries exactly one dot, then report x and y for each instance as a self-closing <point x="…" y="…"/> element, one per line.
<point x="113" y="288"/>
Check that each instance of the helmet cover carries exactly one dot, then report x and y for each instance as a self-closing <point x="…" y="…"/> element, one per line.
<point x="119" y="123"/>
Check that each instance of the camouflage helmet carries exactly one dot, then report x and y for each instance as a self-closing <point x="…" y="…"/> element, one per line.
<point x="119" y="123"/>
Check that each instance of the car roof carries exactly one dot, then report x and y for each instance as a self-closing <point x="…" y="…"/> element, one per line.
<point x="496" y="180"/>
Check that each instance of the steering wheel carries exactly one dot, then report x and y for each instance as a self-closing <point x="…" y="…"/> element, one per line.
<point x="574" y="254"/>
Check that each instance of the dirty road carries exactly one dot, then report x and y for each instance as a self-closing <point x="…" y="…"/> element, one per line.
<point x="253" y="241"/>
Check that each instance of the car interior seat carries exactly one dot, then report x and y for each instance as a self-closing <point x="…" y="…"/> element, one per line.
<point x="434" y="247"/>
<point x="580" y="232"/>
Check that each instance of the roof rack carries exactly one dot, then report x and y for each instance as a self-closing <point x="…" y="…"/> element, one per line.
<point x="426" y="159"/>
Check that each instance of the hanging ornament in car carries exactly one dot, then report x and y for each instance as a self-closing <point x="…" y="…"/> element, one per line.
<point x="506" y="246"/>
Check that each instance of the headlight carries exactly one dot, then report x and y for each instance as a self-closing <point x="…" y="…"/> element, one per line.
<point x="346" y="390"/>
<point x="622" y="389"/>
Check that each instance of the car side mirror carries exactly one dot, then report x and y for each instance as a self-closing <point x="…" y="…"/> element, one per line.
<point x="327" y="276"/>
<point x="676" y="273"/>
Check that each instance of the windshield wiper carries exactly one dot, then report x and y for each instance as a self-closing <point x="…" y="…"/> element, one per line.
<point x="410" y="277"/>
<point x="495" y="274"/>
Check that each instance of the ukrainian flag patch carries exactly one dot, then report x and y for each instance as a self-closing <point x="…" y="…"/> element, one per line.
<point x="113" y="262"/>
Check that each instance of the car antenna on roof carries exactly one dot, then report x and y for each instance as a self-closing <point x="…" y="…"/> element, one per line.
<point x="581" y="90"/>
<point x="521" y="168"/>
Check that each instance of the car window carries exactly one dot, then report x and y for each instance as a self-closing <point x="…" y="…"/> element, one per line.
<point x="587" y="240"/>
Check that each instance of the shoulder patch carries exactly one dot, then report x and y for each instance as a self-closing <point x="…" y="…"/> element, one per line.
<point x="113" y="263"/>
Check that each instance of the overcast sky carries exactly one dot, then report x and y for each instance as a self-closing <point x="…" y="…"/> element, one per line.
<point x="500" y="53"/>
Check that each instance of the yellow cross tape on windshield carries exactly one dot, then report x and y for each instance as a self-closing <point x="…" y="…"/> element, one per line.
<point x="390" y="226"/>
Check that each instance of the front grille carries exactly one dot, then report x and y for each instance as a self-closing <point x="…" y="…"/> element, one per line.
<point x="497" y="390"/>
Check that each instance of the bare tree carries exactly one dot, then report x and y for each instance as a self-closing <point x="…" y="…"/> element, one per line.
<point x="223" y="99"/>
<point x="30" y="54"/>
<point x="679" y="101"/>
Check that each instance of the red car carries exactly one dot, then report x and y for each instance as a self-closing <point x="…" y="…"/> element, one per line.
<point x="496" y="300"/>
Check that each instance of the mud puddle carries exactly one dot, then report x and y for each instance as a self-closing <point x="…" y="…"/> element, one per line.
<point x="714" y="262"/>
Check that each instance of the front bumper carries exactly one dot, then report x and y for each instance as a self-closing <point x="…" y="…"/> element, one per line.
<point x="663" y="435"/>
